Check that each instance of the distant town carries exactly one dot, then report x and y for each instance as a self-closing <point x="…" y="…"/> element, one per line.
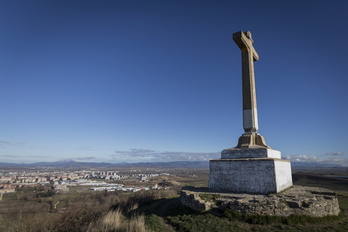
<point x="94" y="180"/>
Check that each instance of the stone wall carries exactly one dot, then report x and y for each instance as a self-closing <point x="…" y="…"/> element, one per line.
<point x="300" y="200"/>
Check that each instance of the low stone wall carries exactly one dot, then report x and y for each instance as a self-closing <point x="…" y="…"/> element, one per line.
<point x="192" y="200"/>
<point x="300" y="200"/>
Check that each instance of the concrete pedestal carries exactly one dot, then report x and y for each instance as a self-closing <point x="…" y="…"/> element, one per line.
<point x="238" y="153"/>
<point x="250" y="175"/>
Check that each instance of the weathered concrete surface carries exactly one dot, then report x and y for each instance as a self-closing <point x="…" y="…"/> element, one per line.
<point x="249" y="55"/>
<point x="300" y="200"/>
<point x="237" y="153"/>
<point x="250" y="119"/>
<point x="250" y="175"/>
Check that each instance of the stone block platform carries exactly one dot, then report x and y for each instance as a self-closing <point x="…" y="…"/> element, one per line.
<point x="237" y="153"/>
<point x="300" y="200"/>
<point x="250" y="175"/>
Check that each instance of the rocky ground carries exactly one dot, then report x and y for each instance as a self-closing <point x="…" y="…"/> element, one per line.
<point x="300" y="200"/>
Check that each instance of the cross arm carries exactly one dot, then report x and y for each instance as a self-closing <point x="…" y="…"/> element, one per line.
<point x="245" y="42"/>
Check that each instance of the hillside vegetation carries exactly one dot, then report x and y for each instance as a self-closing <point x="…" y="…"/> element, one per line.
<point x="155" y="210"/>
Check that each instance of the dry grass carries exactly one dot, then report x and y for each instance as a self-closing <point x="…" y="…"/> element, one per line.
<point x="84" y="212"/>
<point x="116" y="221"/>
<point x="137" y="223"/>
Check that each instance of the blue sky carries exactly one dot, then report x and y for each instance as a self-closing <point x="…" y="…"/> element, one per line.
<point x="138" y="81"/>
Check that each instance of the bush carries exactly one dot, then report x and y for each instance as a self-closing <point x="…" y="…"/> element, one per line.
<point x="267" y="219"/>
<point x="201" y="222"/>
<point x="155" y="223"/>
<point x="209" y="196"/>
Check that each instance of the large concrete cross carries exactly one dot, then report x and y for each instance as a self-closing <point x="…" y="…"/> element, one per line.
<point x="250" y="120"/>
<point x="251" y="167"/>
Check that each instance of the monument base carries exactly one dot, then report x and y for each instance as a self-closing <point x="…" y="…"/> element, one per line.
<point x="297" y="200"/>
<point x="240" y="153"/>
<point x="250" y="175"/>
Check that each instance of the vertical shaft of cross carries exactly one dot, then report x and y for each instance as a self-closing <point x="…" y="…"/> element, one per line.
<point x="249" y="55"/>
<point x="250" y="119"/>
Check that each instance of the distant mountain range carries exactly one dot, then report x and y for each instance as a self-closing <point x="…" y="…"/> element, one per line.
<point x="74" y="164"/>
<point x="312" y="164"/>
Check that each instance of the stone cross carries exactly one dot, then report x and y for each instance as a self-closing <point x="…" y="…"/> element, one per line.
<point x="250" y="139"/>
<point x="251" y="167"/>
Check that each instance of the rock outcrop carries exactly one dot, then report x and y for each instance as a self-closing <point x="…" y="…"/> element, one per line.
<point x="300" y="200"/>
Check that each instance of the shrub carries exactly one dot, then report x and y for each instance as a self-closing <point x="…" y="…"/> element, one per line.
<point x="209" y="196"/>
<point x="267" y="219"/>
<point x="201" y="222"/>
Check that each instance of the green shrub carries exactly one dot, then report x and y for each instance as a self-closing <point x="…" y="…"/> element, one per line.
<point x="267" y="219"/>
<point x="209" y="196"/>
<point x="155" y="223"/>
<point x="201" y="222"/>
